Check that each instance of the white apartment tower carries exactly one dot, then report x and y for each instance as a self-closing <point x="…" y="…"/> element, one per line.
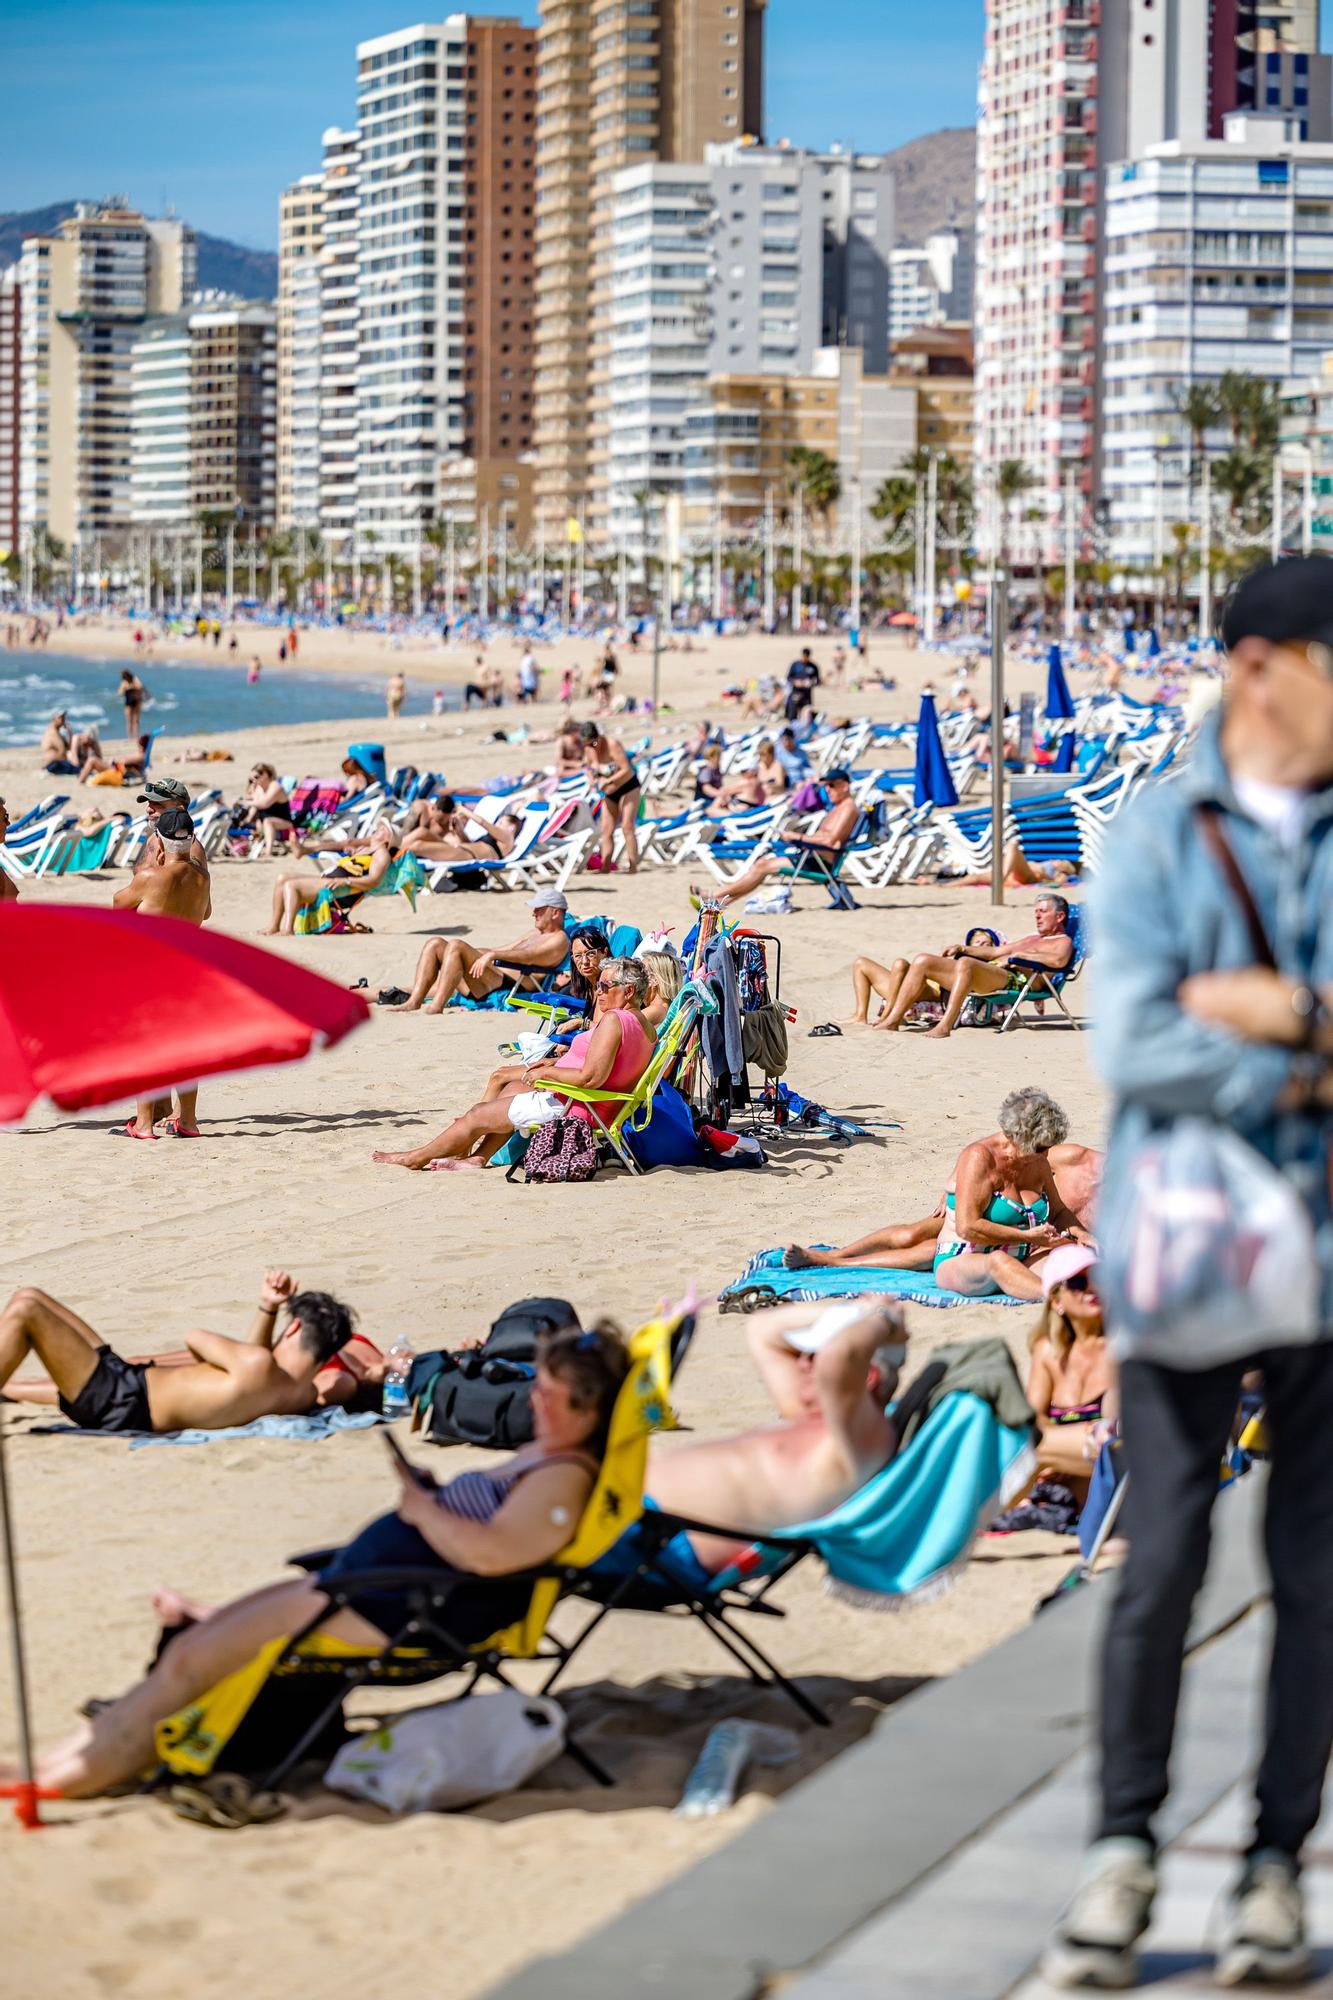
<point x="1068" y="89"/>
<point x="339" y="275"/>
<point x="300" y="335"/>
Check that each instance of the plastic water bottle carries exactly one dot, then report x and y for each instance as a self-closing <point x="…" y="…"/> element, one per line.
<point x="400" y="1358"/>
<point x="712" y="1784"/>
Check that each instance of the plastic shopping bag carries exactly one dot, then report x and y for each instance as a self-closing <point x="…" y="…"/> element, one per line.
<point x="1206" y="1253"/>
<point x="438" y="1759"/>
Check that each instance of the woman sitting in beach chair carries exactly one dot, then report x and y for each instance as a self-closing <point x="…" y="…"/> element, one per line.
<point x="613" y="1054"/>
<point x="1071" y="1387"/>
<point x="308" y="904"/>
<point x="490" y="1525"/>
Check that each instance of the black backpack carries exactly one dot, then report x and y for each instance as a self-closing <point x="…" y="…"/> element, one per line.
<point x="483" y="1395"/>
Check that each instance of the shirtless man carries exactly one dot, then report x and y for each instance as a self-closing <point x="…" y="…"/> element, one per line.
<point x="160" y="795"/>
<point x="228" y="1382"/>
<point x="54" y="752"/>
<point x="828" y="839"/>
<point x="910" y="1246"/>
<point x="831" y="1383"/>
<point x="9" y="888"/>
<point x="448" y="964"/>
<point x="961" y="970"/>
<point x="177" y="886"/>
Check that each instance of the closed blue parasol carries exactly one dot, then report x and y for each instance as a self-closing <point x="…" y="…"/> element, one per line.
<point x="1059" y="701"/>
<point x="934" y="781"/>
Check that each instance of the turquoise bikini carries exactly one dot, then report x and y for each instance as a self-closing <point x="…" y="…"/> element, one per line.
<point x="1011" y="1214"/>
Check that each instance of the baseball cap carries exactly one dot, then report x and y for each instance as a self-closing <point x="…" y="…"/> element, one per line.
<point x="1065" y="1263"/>
<point x="165" y="792"/>
<point x="550" y="899"/>
<point x="1282" y="601"/>
<point x="837" y="776"/>
<point x="175" y="824"/>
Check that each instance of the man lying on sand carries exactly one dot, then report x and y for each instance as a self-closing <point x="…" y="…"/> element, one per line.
<point x="831" y="1376"/>
<point x="959" y="971"/>
<point x="446" y="964"/>
<point x="229" y="1382"/>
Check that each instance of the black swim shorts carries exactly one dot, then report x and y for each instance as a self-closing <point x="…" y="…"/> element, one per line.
<point x="114" y="1398"/>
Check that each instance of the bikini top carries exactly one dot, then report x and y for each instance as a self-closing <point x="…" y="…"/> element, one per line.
<point x="1076" y="1413"/>
<point x="479" y="1496"/>
<point x="1013" y="1214"/>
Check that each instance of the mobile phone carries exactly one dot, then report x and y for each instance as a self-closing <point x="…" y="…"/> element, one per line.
<point x="414" y="1472"/>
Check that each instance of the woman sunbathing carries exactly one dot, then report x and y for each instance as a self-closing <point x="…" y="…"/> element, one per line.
<point x="1071" y="1387"/>
<point x="613" y="1053"/>
<point x="484" y="1523"/>
<point x="1002" y="1215"/>
<point x="266" y="804"/>
<point x="457" y="845"/>
<point x="355" y="876"/>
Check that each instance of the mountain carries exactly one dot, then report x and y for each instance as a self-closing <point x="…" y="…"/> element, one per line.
<point x="934" y="180"/>
<point x="223" y="266"/>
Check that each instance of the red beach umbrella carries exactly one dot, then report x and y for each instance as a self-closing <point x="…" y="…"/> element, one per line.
<point x="99" y="1005"/>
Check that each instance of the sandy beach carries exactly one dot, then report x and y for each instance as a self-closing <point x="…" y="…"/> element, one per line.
<point x="149" y="1241"/>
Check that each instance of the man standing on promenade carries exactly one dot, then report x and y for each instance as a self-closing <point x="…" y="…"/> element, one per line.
<point x="176" y="886"/>
<point x="1192" y="1024"/>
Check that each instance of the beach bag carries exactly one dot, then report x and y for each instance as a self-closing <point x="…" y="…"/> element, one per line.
<point x="563" y="1150"/>
<point x="454" y="1754"/>
<point x="483" y="1395"/>
<point x="1206" y="1252"/>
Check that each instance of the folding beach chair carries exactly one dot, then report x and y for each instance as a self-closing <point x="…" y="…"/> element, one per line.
<point x="191" y="1743"/>
<point x="1033" y="982"/>
<point x="618" y="1113"/>
<point x="898" y="1541"/>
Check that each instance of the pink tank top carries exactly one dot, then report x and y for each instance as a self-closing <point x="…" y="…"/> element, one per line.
<point x="632" y="1057"/>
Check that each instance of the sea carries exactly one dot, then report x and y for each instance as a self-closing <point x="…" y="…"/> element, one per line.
<point x="186" y="701"/>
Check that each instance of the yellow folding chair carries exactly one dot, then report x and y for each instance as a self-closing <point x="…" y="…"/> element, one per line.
<point x="616" y="1112"/>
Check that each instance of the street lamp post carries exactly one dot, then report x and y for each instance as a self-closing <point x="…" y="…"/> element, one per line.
<point x="856" y="562"/>
<point x="1206" y="551"/>
<point x="929" y="535"/>
<point x="770" y="573"/>
<point x="1275" y="534"/>
<point x="797" y="558"/>
<point x="999" y="619"/>
<point x="1071" y="561"/>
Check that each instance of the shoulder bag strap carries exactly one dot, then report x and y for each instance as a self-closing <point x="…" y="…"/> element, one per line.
<point x="1208" y="819"/>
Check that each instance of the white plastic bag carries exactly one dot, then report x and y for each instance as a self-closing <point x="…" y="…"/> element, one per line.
<point x="1206" y="1252"/>
<point x="438" y="1759"/>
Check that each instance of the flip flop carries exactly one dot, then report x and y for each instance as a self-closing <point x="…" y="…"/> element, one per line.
<point x="173" y="1128"/>
<point x="827" y="1028"/>
<point x="224" y="1799"/>
<point x="127" y="1131"/>
<point x="391" y="996"/>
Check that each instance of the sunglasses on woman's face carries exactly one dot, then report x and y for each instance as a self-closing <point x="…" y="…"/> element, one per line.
<point x="1080" y="1282"/>
<point x="609" y="985"/>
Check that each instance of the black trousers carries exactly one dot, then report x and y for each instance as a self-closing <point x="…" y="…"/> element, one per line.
<point x="1176" y="1427"/>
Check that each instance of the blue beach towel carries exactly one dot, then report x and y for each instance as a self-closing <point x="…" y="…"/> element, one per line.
<point x="308" y="1429"/>
<point x="903" y="1536"/>
<point x="850" y="1281"/>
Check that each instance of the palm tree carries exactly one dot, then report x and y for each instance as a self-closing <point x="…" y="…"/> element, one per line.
<point x="1199" y="407"/>
<point x="815" y="476"/>
<point x="894" y="501"/>
<point x="1012" y="480"/>
<point x="1182" y="536"/>
<point x="1242" y="475"/>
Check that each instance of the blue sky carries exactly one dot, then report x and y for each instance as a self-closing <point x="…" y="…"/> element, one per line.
<point x="216" y="107"/>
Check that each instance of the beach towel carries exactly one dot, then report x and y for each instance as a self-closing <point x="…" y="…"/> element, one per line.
<point x="90" y="850"/>
<point x="907" y="1533"/>
<point x="331" y="912"/>
<point x="766" y="1269"/>
<point x="309" y="1429"/>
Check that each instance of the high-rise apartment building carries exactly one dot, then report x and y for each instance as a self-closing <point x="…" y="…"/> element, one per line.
<point x="339" y="311"/>
<point x="1217" y="260"/>
<point x="10" y="309"/>
<point x="930" y="285"/>
<point x="713" y="273"/>
<point x="445" y="198"/>
<point x="91" y="286"/>
<point x="621" y="82"/>
<point x="300" y="332"/>
<point x="203" y="416"/>
<point x="1068" y="89"/>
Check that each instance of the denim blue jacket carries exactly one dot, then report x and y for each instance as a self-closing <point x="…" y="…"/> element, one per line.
<point x="1161" y="909"/>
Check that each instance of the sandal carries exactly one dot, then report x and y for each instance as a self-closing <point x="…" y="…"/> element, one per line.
<point x="827" y="1028"/>
<point x="391" y="996"/>
<point x="127" y="1131"/>
<point x="173" y="1129"/>
<point x="748" y="1299"/>
<point x="224" y="1799"/>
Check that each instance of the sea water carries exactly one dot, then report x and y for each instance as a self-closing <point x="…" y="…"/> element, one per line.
<point x="186" y="701"/>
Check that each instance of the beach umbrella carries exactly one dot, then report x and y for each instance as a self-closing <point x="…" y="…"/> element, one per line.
<point x="1059" y="701"/>
<point x="100" y="1005"/>
<point x="934" y="784"/>
<point x="903" y="618"/>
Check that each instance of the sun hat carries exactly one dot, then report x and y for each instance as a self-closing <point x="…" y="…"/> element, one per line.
<point x="550" y="899"/>
<point x="165" y="792"/>
<point x="1065" y="1263"/>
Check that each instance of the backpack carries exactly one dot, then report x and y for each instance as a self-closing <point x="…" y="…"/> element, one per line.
<point x="483" y="1395"/>
<point x="563" y="1150"/>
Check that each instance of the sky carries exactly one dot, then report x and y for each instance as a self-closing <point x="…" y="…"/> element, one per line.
<point x="215" y="108"/>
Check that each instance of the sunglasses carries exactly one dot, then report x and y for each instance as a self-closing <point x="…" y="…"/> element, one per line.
<point x="1080" y="1282"/>
<point x="610" y="985"/>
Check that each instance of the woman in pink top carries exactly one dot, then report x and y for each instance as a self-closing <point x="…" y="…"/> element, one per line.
<point x="613" y="1054"/>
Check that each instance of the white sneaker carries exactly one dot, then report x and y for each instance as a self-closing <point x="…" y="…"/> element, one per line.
<point x="1094" y="1941"/>
<point x="1263" y="1943"/>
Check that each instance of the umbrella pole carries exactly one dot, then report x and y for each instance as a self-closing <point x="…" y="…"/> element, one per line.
<point x="25" y="1792"/>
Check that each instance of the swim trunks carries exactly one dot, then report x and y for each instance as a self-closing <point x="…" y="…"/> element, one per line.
<point x="114" y="1398"/>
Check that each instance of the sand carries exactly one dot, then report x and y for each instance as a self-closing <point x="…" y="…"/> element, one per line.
<point x="121" y="1898"/>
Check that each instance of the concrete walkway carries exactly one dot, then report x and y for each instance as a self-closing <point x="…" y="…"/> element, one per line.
<point x="932" y="1858"/>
